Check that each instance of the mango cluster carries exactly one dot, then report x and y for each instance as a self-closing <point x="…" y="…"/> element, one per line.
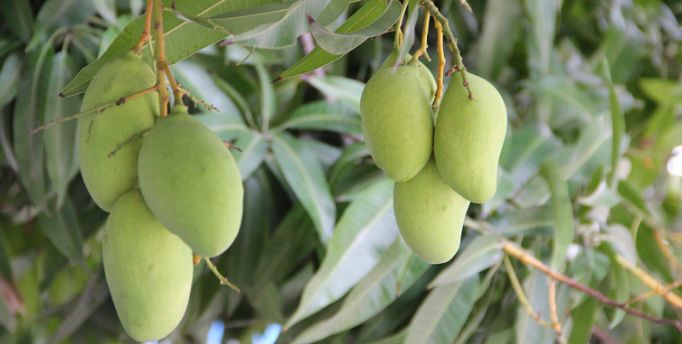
<point x="440" y="162"/>
<point x="170" y="186"/>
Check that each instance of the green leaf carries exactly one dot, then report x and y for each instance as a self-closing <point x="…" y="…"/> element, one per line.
<point x="340" y="88"/>
<point x="196" y="79"/>
<point x="283" y="32"/>
<point x="18" y="17"/>
<point x="562" y="212"/>
<point x="322" y="115"/>
<point x="481" y="253"/>
<point x="250" y="146"/>
<point x="442" y="314"/>
<point x="366" y="228"/>
<point x="333" y="11"/>
<point x="584" y="317"/>
<point x="268" y="101"/>
<point x="499" y="34"/>
<point x="182" y="38"/>
<point x="28" y="148"/>
<point x="317" y="58"/>
<point x="246" y="19"/>
<point x="60" y="140"/>
<point x="397" y="270"/>
<point x="9" y="78"/>
<point x="617" y="122"/>
<point x="293" y="240"/>
<point x="343" y="43"/>
<point x="60" y="225"/>
<point x="304" y="175"/>
<point x="542" y="16"/>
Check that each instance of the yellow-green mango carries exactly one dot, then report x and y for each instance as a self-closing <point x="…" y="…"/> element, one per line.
<point x="469" y="137"/>
<point x="397" y="121"/>
<point x="108" y="176"/>
<point x="430" y="215"/>
<point x="148" y="270"/>
<point x="191" y="183"/>
<point x="425" y="77"/>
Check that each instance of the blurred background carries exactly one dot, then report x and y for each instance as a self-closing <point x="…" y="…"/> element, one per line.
<point x="319" y="252"/>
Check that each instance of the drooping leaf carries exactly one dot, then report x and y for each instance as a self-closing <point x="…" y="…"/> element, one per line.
<point x="397" y="270"/>
<point x="182" y="38"/>
<point x="584" y="317"/>
<point x="480" y="254"/>
<point x="304" y="175"/>
<point x="18" y="17"/>
<point x="323" y="115"/>
<point x="617" y="121"/>
<point x="442" y="314"/>
<point x="60" y="140"/>
<point x="61" y="226"/>
<point x="562" y="213"/>
<point x="9" y="78"/>
<point x="339" y="88"/>
<point x="343" y="43"/>
<point x="318" y="57"/>
<point x="366" y="228"/>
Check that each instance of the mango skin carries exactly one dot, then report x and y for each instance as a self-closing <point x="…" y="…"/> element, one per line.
<point x="397" y="121"/>
<point x="107" y="178"/>
<point x="148" y="270"/>
<point x="469" y="137"/>
<point x="426" y="79"/>
<point x="191" y="183"/>
<point x="430" y="215"/>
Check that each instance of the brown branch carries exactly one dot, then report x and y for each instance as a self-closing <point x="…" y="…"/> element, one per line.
<point x="527" y="259"/>
<point x="650" y="293"/>
<point x="452" y="42"/>
<point x="145" y="36"/>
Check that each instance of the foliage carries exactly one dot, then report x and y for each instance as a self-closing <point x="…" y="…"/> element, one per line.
<point x="594" y="93"/>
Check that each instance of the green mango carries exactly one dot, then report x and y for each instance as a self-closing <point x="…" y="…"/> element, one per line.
<point x="397" y="121"/>
<point x="107" y="176"/>
<point x="148" y="270"/>
<point x="469" y="136"/>
<point x="426" y="79"/>
<point x="191" y="183"/>
<point x="430" y="215"/>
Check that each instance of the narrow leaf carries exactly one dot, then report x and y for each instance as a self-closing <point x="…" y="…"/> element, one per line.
<point x="366" y="228"/>
<point x="480" y="254"/>
<point x="304" y="175"/>
<point x="442" y="315"/>
<point x="617" y="121"/>
<point x="323" y="115"/>
<point x="562" y="212"/>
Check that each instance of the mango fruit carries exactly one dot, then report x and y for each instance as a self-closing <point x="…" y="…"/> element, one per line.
<point x="191" y="183"/>
<point x="426" y="79"/>
<point x="469" y="136"/>
<point x="107" y="176"/>
<point x="148" y="270"/>
<point x="397" y="121"/>
<point x="430" y="215"/>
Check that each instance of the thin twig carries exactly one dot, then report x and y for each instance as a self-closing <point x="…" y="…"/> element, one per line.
<point x="441" y="67"/>
<point x="398" y="38"/>
<point x="523" y="300"/>
<point x="128" y="141"/>
<point x="160" y="58"/>
<point x="223" y="280"/>
<point x="527" y="259"/>
<point x="651" y="282"/>
<point x="97" y="109"/>
<point x="452" y="42"/>
<point x="650" y="293"/>
<point x="145" y="36"/>
<point x="178" y="91"/>
<point x="424" y="39"/>
<point x="553" y="314"/>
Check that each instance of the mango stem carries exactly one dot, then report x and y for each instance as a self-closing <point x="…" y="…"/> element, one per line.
<point x="145" y="36"/>
<point x="424" y="39"/>
<point x="441" y="66"/>
<point x="160" y="58"/>
<point x="223" y="280"/>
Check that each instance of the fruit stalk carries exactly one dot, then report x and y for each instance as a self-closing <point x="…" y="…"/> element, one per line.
<point x="441" y="67"/>
<point x="223" y="280"/>
<point x="160" y="58"/>
<point x="398" y="40"/>
<point x="425" y="34"/>
<point x="147" y="28"/>
<point x="452" y="41"/>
